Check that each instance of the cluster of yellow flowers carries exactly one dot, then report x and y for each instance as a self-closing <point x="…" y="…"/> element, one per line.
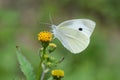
<point x="46" y="37"/>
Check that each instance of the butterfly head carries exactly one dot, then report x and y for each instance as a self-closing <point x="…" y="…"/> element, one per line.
<point x="53" y="26"/>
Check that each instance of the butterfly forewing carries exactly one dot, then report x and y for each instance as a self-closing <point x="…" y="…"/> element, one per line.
<point x="86" y="26"/>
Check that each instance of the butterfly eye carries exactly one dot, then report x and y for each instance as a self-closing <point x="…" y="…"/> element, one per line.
<point x="80" y="29"/>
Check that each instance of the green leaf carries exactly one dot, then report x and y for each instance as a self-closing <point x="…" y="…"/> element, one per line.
<point x="25" y="65"/>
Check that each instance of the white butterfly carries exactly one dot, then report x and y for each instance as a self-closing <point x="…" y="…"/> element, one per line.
<point x="74" y="34"/>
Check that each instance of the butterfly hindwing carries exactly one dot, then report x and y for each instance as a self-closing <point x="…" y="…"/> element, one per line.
<point x="74" y="42"/>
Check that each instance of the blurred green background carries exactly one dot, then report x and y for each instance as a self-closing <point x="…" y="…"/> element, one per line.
<point x="20" y="22"/>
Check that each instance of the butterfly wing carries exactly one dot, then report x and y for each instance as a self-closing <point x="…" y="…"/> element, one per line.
<point x="70" y="36"/>
<point x="86" y="25"/>
<point x="75" y="42"/>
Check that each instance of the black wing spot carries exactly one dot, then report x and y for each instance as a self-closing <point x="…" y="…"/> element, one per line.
<point x="80" y="29"/>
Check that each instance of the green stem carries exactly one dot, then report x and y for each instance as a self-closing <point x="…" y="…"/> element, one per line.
<point x="40" y="65"/>
<point x="43" y="75"/>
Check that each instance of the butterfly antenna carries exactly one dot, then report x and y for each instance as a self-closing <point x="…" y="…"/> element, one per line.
<point x="45" y="23"/>
<point x="51" y="21"/>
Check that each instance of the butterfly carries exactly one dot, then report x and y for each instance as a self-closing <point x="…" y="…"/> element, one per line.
<point x="74" y="34"/>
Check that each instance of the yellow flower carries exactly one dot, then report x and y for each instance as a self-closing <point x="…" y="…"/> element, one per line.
<point x="52" y="45"/>
<point x="49" y="63"/>
<point x="46" y="56"/>
<point x="45" y="36"/>
<point x="57" y="73"/>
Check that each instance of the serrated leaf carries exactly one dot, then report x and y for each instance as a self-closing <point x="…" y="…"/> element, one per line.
<point x="25" y="66"/>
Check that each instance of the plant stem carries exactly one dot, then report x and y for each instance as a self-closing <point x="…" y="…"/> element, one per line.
<point x="40" y="75"/>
